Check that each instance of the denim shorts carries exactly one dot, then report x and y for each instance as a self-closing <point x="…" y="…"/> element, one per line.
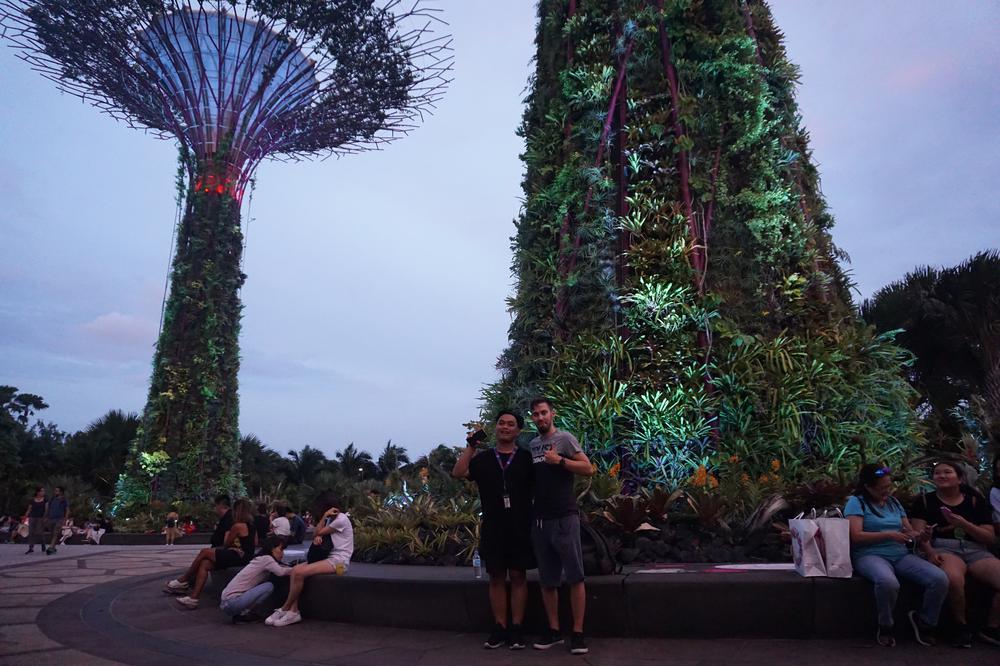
<point x="558" y="550"/>
<point x="964" y="549"/>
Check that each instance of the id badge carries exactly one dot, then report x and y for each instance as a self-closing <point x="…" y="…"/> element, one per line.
<point x="506" y="501"/>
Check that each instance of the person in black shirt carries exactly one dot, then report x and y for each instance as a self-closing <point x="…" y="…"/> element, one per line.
<point x="225" y="524"/>
<point x="960" y="524"/>
<point x="504" y="477"/>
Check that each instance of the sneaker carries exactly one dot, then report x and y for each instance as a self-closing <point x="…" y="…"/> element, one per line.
<point x="515" y="638"/>
<point x="247" y="618"/>
<point x="188" y="602"/>
<point x="287" y="618"/>
<point x="49" y="551"/>
<point x="497" y="638"/>
<point x="548" y="639"/>
<point x="576" y="643"/>
<point x="176" y="587"/>
<point x="963" y="637"/>
<point x="885" y="636"/>
<point x="990" y="635"/>
<point x="273" y="617"/>
<point x="30" y="550"/>
<point x="923" y="632"/>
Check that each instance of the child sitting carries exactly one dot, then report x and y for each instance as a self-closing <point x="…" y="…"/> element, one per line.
<point x="250" y="586"/>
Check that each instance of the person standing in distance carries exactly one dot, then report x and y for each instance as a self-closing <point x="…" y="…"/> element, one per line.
<point x="57" y="513"/>
<point x="503" y="475"/>
<point x="557" y="457"/>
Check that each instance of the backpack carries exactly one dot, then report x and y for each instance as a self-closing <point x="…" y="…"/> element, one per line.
<point x="597" y="558"/>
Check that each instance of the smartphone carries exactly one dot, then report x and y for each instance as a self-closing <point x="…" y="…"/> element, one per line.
<point x="477" y="437"/>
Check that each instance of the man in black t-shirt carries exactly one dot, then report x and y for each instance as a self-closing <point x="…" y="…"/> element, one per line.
<point x="504" y="477"/>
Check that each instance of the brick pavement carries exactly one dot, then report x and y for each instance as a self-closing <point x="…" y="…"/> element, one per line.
<point x="103" y="605"/>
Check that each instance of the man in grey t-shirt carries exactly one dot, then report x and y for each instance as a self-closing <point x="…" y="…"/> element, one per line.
<point x="557" y="458"/>
<point x="57" y="514"/>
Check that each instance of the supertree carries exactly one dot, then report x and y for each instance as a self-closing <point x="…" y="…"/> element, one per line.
<point x="233" y="82"/>
<point x="678" y="290"/>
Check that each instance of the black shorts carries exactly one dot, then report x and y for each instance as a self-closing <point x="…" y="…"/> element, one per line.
<point x="226" y="558"/>
<point x="503" y="547"/>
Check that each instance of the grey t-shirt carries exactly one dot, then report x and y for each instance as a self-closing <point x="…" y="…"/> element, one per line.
<point x="554" y="496"/>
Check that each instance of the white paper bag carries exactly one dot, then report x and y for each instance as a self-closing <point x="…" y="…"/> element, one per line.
<point x="835" y="545"/>
<point x="806" y="549"/>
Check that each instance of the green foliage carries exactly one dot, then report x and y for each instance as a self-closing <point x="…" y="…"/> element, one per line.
<point x="680" y="298"/>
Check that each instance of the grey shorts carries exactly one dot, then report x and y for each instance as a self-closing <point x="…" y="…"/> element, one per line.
<point x="964" y="549"/>
<point x="557" y="549"/>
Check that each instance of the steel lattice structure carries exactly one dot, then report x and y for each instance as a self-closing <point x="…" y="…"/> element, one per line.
<point x="233" y="82"/>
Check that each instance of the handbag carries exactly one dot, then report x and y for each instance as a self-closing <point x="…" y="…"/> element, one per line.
<point x="318" y="553"/>
<point x="835" y="544"/>
<point x="807" y="552"/>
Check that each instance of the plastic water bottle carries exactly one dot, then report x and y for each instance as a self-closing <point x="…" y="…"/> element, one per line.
<point x="477" y="564"/>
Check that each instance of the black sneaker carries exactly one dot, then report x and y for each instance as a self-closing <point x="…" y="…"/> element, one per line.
<point x="247" y="618"/>
<point x="576" y="643"/>
<point x="923" y="632"/>
<point x="497" y="638"/>
<point x="990" y="635"/>
<point x="515" y="638"/>
<point x="29" y="551"/>
<point x="885" y="636"/>
<point x="548" y="639"/>
<point x="963" y="637"/>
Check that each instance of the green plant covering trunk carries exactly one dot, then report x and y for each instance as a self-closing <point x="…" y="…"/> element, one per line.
<point x="678" y="292"/>
<point x="187" y="446"/>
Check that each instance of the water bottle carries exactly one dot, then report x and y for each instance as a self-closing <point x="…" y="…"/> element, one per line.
<point x="477" y="564"/>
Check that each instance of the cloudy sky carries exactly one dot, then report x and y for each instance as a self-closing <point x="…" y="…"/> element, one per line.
<point x="375" y="298"/>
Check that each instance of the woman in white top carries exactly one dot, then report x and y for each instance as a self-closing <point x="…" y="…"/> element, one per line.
<point x="337" y="526"/>
<point x="250" y="586"/>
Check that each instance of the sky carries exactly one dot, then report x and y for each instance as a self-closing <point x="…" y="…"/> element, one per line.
<point x="375" y="303"/>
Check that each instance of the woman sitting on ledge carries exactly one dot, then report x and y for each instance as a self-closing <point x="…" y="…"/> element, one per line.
<point x="331" y="550"/>
<point x="880" y="532"/>
<point x="962" y="532"/>
<point x="237" y="549"/>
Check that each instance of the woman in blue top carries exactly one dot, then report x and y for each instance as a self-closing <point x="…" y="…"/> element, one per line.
<point x="880" y="532"/>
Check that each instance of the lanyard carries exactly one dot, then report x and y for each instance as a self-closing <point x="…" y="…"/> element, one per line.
<point x="503" y="474"/>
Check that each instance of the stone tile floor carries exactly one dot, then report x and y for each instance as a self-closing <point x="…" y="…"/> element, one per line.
<point x="103" y="605"/>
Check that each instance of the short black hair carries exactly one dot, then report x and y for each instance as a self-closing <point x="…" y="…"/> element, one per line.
<point x="539" y="400"/>
<point x="262" y="509"/>
<point x="520" y="419"/>
<point x="60" y="489"/>
<point x="223" y="500"/>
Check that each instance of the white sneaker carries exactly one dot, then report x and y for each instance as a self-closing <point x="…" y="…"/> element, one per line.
<point x="176" y="587"/>
<point x="287" y="618"/>
<point x="273" y="617"/>
<point x="188" y="602"/>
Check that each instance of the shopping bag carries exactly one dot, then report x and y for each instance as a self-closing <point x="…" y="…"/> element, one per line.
<point x="807" y="551"/>
<point x="22" y="530"/>
<point x="835" y="545"/>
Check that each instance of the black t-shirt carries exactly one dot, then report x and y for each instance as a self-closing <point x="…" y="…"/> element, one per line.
<point x="974" y="509"/>
<point x="223" y="526"/>
<point x="485" y="470"/>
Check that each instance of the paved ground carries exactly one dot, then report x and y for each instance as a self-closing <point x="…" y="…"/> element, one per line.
<point x="103" y="605"/>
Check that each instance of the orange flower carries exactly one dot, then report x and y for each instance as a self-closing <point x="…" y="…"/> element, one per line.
<point x="734" y="459"/>
<point x="744" y="478"/>
<point x="775" y="465"/>
<point x="700" y="477"/>
<point x="613" y="472"/>
<point x="713" y="482"/>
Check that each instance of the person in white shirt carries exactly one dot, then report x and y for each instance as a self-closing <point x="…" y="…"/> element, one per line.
<point x="250" y="586"/>
<point x="333" y="531"/>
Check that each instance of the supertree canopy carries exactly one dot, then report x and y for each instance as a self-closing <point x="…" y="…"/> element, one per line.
<point x="232" y="82"/>
<point x="678" y="292"/>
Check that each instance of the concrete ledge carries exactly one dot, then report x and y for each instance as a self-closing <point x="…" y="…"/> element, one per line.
<point x="693" y="601"/>
<point x="133" y="539"/>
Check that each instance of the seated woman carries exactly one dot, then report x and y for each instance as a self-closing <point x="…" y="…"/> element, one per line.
<point x="236" y="551"/>
<point x="335" y="528"/>
<point x="880" y="532"/>
<point x="250" y="586"/>
<point x="961" y="528"/>
<point x="93" y="532"/>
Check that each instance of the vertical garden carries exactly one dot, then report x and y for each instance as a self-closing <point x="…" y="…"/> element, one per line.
<point x="678" y="292"/>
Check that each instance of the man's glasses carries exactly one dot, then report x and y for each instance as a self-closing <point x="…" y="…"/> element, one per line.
<point x="882" y="471"/>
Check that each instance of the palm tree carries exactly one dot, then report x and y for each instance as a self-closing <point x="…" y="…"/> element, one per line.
<point x="262" y="467"/>
<point x="355" y="463"/>
<point x="391" y="459"/>
<point x="306" y="464"/>
<point x="97" y="454"/>
<point x="950" y="320"/>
